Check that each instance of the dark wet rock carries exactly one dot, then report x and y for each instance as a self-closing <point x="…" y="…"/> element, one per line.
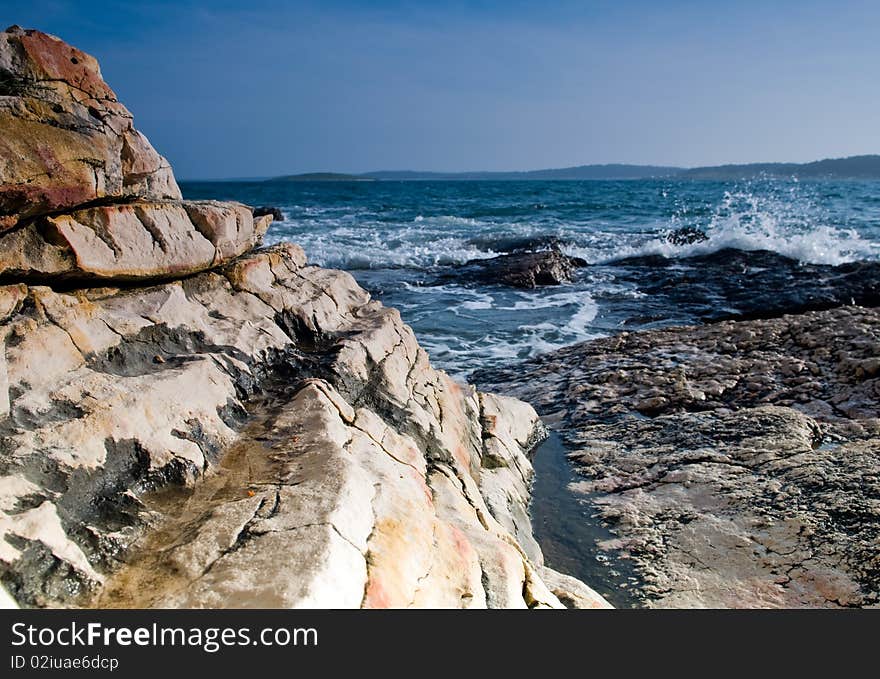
<point x="738" y="463"/>
<point x="733" y="283"/>
<point x="276" y="213"/>
<point x="517" y="244"/>
<point x="686" y="235"/>
<point x="519" y="270"/>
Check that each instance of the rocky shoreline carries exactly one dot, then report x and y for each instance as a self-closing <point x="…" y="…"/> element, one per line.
<point x="191" y="420"/>
<point x="737" y="463"/>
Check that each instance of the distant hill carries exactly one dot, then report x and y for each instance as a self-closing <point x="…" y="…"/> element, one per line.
<point x="615" y="171"/>
<point x="322" y="177"/>
<point x="854" y="167"/>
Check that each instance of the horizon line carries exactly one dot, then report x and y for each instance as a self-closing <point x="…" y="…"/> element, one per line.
<point x="677" y="168"/>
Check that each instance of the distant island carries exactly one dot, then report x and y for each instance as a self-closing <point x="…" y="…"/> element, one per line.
<point x="853" y="167"/>
<point x="614" y="171"/>
<point x="323" y="177"/>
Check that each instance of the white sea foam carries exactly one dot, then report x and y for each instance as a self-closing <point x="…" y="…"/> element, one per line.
<point x="339" y="246"/>
<point x="481" y="302"/>
<point x="498" y="327"/>
<point x="396" y="237"/>
<point x="448" y="220"/>
<point x="748" y="221"/>
<point x="579" y="321"/>
<point x="544" y="300"/>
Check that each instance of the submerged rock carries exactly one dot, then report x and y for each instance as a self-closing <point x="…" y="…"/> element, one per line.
<point x="686" y="235"/>
<point x="274" y="212"/>
<point x="519" y="269"/>
<point x="738" y="463"/>
<point x="517" y="244"/>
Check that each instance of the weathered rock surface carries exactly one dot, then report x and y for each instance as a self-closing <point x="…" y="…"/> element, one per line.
<point x="83" y="195"/>
<point x="130" y="242"/>
<point x="65" y="139"/>
<point x="250" y="432"/>
<point x="259" y="435"/>
<point x="522" y="269"/>
<point x="737" y="463"/>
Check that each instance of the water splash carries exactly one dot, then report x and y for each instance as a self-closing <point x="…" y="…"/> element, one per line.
<point x="784" y="219"/>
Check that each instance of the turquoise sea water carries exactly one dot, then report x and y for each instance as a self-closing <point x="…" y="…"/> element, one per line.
<point x="396" y="237"/>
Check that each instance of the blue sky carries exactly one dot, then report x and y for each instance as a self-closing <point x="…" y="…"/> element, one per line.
<point x="264" y="87"/>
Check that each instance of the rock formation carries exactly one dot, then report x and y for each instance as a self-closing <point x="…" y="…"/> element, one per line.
<point x="521" y="269"/>
<point x="744" y="284"/>
<point x="274" y="212"/>
<point x="738" y="463"/>
<point x="83" y="194"/>
<point x="65" y="140"/>
<point x="188" y="421"/>
<point x="129" y="241"/>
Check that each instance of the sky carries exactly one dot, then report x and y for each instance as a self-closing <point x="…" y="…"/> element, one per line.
<point x="268" y="87"/>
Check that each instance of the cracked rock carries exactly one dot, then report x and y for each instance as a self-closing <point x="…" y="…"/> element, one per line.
<point x="737" y="463"/>
<point x="293" y="447"/>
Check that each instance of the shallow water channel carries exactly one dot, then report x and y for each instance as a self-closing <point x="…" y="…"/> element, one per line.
<point x="567" y="531"/>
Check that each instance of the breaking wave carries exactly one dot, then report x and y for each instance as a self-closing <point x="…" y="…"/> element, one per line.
<point x="747" y="221"/>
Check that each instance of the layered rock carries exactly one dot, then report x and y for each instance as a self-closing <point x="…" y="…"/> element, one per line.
<point x="83" y="195"/>
<point x="130" y="241"/>
<point x="737" y="463"/>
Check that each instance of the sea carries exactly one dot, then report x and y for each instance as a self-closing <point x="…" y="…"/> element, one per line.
<point x="401" y="240"/>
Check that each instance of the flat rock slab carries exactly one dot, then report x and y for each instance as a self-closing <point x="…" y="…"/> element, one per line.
<point x="130" y="242"/>
<point x="738" y="463"/>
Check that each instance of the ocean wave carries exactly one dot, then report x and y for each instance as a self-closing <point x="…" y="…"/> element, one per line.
<point x="749" y="222"/>
<point x="785" y="219"/>
<point x="354" y="248"/>
<point x="820" y="245"/>
<point x="448" y="220"/>
<point x="397" y="238"/>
